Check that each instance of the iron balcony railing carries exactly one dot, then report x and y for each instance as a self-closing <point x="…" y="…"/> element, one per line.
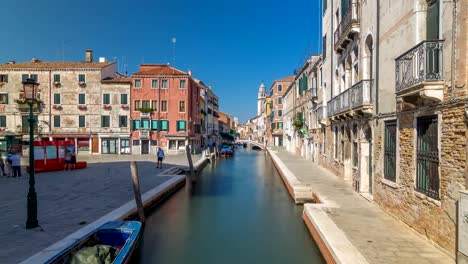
<point x="359" y="94"/>
<point x="422" y="63"/>
<point x="351" y="17"/>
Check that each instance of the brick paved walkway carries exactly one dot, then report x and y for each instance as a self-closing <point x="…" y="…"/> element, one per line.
<point x="376" y="235"/>
<point x="67" y="200"/>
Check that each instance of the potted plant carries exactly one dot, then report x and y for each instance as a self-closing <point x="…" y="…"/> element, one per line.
<point x="298" y="121"/>
<point x="145" y="110"/>
<point x="125" y="106"/>
<point x="57" y="107"/>
<point x="82" y="107"/>
<point x="82" y="84"/>
<point x="56" y="84"/>
<point x="1" y="84"/>
<point x="107" y="107"/>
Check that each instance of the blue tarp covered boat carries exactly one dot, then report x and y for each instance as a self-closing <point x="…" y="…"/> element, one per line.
<point x="113" y="242"/>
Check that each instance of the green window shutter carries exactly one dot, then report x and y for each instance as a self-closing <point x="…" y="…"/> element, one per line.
<point x="6" y="99"/>
<point x="81" y="98"/>
<point x="102" y="121"/>
<point x="56" y="77"/>
<point x="181" y="125"/>
<point x="432" y="20"/>
<point x="154" y="124"/>
<point x="106" y="99"/>
<point x="81" y="121"/>
<point x="56" y="121"/>
<point x="164" y="125"/>
<point x="56" y="98"/>
<point x="123" y="99"/>
<point x="145" y="124"/>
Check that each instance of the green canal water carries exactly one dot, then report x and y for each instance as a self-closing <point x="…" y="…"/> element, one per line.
<point x="238" y="211"/>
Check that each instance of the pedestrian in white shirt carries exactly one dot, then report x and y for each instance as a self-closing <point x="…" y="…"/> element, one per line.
<point x="16" y="164"/>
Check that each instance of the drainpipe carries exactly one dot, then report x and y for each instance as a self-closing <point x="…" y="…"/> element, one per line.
<point x="452" y="60"/>
<point x="332" y="36"/>
<point x="377" y="61"/>
<point x="50" y="105"/>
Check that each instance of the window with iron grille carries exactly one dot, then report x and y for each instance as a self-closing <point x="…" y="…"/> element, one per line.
<point x="390" y="151"/>
<point x="427" y="165"/>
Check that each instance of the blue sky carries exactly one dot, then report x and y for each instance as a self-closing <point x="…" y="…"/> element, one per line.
<point x="232" y="44"/>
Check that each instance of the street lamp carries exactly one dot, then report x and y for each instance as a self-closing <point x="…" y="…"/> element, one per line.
<point x="30" y="92"/>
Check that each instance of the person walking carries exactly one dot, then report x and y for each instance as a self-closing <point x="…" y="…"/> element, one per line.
<point x="16" y="164"/>
<point x="2" y="166"/>
<point x="73" y="160"/>
<point x="67" y="159"/>
<point x="160" y="155"/>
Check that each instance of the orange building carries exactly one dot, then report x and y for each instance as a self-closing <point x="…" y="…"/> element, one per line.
<point x="165" y="106"/>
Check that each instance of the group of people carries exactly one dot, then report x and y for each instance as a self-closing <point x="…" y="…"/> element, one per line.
<point x="11" y="165"/>
<point x="70" y="159"/>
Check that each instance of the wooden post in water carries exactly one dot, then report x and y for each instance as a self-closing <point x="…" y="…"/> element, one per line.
<point x="189" y="158"/>
<point x="136" y="190"/>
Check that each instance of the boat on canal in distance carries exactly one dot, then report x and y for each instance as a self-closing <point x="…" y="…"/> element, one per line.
<point x="114" y="242"/>
<point x="226" y="151"/>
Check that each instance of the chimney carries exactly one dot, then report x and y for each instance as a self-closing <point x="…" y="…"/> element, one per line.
<point x="102" y="59"/>
<point x="190" y="72"/>
<point x="12" y="62"/>
<point x="35" y="60"/>
<point x="89" y="55"/>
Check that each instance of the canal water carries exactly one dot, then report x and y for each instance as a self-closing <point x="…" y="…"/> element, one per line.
<point x="238" y="211"/>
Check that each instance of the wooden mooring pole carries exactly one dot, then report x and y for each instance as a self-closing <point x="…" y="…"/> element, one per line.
<point x="136" y="191"/>
<point x="189" y="158"/>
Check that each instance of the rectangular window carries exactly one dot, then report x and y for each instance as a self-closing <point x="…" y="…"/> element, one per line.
<point x="342" y="144"/>
<point x="324" y="6"/>
<point x="154" y="84"/>
<point x="4" y="78"/>
<point x="181" y="125"/>
<point x="56" y="98"/>
<point x="280" y="112"/>
<point x="137" y="83"/>
<point x="57" y="78"/>
<point x="56" y="121"/>
<point x="280" y="125"/>
<point x="25" y="124"/>
<point x="154" y="142"/>
<point x="145" y="104"/>
<point x="136" y="124"/>
<point x="355" y="154"/>
<point x="164" y="125"/>
<point x="123" y="121"/>
<point x="154" y="105"/>
<point x="136" y="142"/>
<point x="427" y="167"/>
<point x="182" y="106"/>
<point x="164" y="84"/>
<point x="34" y="77"/>
<point x="154" y="124"/>
<point x="82" y="98"/>
<point x="124" y="99"/>
<point x="24" y="77"/>
<point x="3" y="121"/>
<point x="81" y="121"/>
<point x="280" y="100"/>
<point x="280" y="87"/>
<point x="182" y="84"/>
<point x="4" y="98"/>
<point x="324" y="47"/>
<point x="137" y="105"/>
<point x="163" y="106"/>
<point x="105" y="121"/>
<point x="81" y="78"/>
<point x="145" y="124"/>
<point x="390" y="151"/>
<point x="106" y="99"/>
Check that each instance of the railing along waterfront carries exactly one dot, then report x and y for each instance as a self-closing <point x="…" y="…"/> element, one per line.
<point x="351" y="16"/>
<point x="358" y="95"/>
<point x="422" y="63"/>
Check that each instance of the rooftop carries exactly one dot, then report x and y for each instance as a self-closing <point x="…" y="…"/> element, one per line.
<point x="56" y="65"/>
<point x="117" y="80"/>
<point x="158" y="69"/>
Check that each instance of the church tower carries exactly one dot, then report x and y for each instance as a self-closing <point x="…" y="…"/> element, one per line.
<point x="261" y="99"/>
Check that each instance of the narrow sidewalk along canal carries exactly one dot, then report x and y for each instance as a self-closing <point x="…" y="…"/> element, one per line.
<point x="238" y="211"/>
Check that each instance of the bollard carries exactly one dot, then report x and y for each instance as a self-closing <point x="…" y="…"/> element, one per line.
<point x="136" y="190"/>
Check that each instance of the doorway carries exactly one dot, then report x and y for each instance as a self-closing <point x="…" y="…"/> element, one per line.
<point x="95" y="145"/>
<point x="366" y="161"/>
<point x="145" y="146"/>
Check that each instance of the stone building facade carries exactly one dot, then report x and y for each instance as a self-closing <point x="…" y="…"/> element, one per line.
<point x="277" y="90"/>
<point x="421" y="142"/>
<point x="71" y="108"/>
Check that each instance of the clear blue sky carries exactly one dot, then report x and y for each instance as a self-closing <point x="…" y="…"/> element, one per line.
<point x="232" y="44"/>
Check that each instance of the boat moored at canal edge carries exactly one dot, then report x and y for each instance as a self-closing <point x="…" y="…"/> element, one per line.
<point x="119" y="236"/>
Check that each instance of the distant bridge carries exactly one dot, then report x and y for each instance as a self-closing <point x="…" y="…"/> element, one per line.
<point x="242" y="141"/>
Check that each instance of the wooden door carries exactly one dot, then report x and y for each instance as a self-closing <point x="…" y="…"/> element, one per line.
<point x="95" y="146"/>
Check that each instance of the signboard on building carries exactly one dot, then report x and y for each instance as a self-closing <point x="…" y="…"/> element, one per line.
<point x="463" y="224"/>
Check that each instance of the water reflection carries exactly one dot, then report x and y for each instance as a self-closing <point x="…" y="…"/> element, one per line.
<point x="237" y="211"/>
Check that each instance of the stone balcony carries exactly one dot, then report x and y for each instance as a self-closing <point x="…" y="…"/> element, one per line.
<point x="322" y="114"/>
<point x="348" y="26"/>
<point x="355" y="101"/>
<point x="419" y="73"/>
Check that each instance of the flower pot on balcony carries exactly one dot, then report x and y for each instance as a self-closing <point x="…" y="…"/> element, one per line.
<point x="125" y="107"/>
<point x="57" y="107"/>
<point x="82" y="84"/>
<point x="1" y="84"/>
<point x="56" y="84"/>
<point x="106" y="107"/>
<point x="82" y="107"/>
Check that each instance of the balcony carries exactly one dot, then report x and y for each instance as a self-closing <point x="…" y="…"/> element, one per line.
<point x="419" y="73"/>
<point x="348" y="26"/>
<point x="322" y="114"/>
<point x="356" y="101"/>
<point x="314" y="93"/>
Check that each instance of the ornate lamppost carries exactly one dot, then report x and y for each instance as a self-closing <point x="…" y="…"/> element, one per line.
<point x="30" y="92"/>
